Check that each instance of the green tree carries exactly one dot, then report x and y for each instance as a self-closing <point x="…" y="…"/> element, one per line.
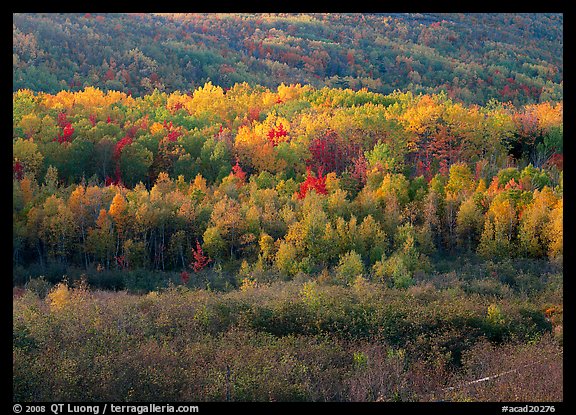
<point x="349" y="267"/>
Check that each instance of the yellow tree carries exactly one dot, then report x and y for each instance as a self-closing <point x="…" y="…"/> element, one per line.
<point x="469" y="223"/>
<point x="499" y="228"/>
<point x="555" y="230"/>
<point x="100" y="240"/>
<point x="532" y="233"/>
<point x="118" y="211"/>
<point x="79" y="207"/>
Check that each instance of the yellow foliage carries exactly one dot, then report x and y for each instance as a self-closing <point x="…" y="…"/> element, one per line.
<point x="59" y="296"/>
<point x="248" y="284"/>
<point x="118" y="211"/>
<point x="332" y="182"/>
<point x="156" y="128"/>
<point x="27" y="191"/>
<point x="556" y="230"/>
<point x="199" y="183"/>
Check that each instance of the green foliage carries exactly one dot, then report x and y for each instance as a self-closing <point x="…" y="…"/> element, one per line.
<point x="281" y="341"/>
<point x="505" y="175"/>
<point x="403" y="51"/>
<point x="350" y="266"/>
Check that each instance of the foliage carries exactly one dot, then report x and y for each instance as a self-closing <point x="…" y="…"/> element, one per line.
<point x="419" y="52"/>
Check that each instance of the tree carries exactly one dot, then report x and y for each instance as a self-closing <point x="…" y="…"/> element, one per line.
<point x="318" y="184"/>
<point x="331" y="153"/>
<point x="461" y="180"/>
<point x="100" y="240"/>
<point x="555" y="230"/>
<point x="532" y="235"/>
<point x="200" y="260"/>
<point x="58" y="228"/>
<point x="26" y="154"/>
<point x="134" y="164"/>
<point x="227" y="218"/>
<point x="287" y="258"/>
<point x="119" y="213"/>
<point x="498" y="235"/>
<point x="79" y="206"/>
<point x="349" y="267"/>
<point x="469" y="224"/>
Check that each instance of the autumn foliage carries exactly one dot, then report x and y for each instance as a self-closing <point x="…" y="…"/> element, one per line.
<point x="200" y="260"/>
<point x="318" y="184"/>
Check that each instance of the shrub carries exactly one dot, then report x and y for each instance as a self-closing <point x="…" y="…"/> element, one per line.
<point x="349" y="267"/>
<point x="39" y="286"/>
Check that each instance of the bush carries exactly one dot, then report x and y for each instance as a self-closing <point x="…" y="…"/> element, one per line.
<point x="349" y="267"/>
<point x="38" y="286"/>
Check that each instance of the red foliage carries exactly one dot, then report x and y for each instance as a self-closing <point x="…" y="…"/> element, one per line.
<point x="68" y="131"/>
<point x="444" y="167"/>
<point x="318" y="184"/>
<point x="173" y="135"/>
<point x="350" y="57"/>
<point x="108" y="120"/>
<point x="253" y="113"/>
<point x="480" y="165"/>
<point x="359" y="169"/>
<point x="93" y="119"/>
<point x="513" y="185"/>
<point x="122" y="261"/>
<point x="331" y="154"/>
<point x="109" y="75"/>
<point x="275" y="133"/>
<point x="423" y="169"/>
<point x="200" y="260"/>
<point x="131" y="132"/>
<point x="127" y="140"/>
<point x="557" y="160"/>
<point x="443" y="147"/>
<point x="238" y="172"/>
<point x="66" y="135"/>
<point x="62" y="119"/>
<point x="184" y="277"/>
<point x="18" y="170"/>
<point x="173" y="132"/>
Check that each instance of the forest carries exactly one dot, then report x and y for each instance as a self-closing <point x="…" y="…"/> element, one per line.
<point x="473" y="57"/>
<point x="242" y="239"/>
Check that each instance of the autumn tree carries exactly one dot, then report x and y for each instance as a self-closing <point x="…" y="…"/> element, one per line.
<point x="532" y="235"/>
<point x="200" y="260"/>
<point x="498" y="235"/>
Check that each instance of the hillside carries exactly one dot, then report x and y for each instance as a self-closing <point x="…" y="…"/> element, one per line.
<point x="324" y="207"/>
<point x="473" y="57"/>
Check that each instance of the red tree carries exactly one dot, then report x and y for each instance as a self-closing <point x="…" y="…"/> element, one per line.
<point x="238" y="172"/>
<point x="127" y="140"/>
<point x="62" y="119"/>
<point x="330" y="153"/>
<point x="318" y="184"/>
<point x="18" y="170"/>
<point x="275" y="133"/>
<point x="200" y="260"/>
<point x="66" y="135"/>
